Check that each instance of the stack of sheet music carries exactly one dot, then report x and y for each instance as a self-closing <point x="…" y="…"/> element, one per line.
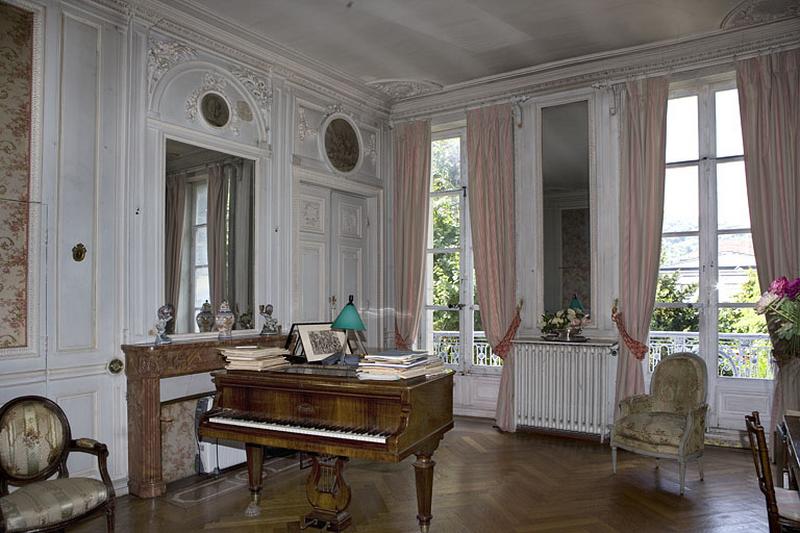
<point x="254" y="358"/>
<point x="399" y="364"/>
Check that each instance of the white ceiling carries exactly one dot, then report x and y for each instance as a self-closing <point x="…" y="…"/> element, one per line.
<point x="450" y="41"/>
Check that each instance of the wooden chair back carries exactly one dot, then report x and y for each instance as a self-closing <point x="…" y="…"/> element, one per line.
<point x="758" y="445"/>
<point x="34" y="441"/>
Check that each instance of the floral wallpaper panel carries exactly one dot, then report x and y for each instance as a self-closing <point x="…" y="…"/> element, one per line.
<point x="16" y="85"/>
<point x="178" y="440"/>
<point x="576" y="256"/>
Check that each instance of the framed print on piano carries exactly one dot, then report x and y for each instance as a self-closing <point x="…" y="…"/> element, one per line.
<point x="316" y="341"/>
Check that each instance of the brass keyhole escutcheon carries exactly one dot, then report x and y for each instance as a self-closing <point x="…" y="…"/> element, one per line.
<point x="115" y="366"/>
<point x="78" y="252"/>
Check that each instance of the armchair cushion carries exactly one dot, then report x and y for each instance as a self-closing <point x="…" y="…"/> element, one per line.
<point x="46" y="503"/>
<point x="656" y="432"/>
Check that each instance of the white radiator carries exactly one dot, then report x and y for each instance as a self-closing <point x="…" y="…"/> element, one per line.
<point x="564" y="386"/>
<point x="215" y="457"/>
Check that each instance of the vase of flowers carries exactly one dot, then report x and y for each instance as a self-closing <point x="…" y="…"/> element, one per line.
<point x="781" y="305"/>
<point x="564" y="324"/>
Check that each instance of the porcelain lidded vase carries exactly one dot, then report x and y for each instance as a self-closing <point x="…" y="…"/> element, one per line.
<point x="225" y="320"/>
<point x="205" y="318"/>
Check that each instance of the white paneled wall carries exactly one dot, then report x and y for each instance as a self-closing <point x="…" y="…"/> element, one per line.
<point x="83" y="58"/>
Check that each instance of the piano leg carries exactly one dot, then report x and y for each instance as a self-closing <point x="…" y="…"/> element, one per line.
<point x="423" y="468"/>
<point x="255" y="462"/>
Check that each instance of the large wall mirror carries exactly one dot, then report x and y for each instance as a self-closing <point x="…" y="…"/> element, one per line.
<point x="208" y="236"/>
<point x="566" y="205"/>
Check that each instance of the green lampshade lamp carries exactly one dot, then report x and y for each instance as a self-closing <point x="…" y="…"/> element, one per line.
<point x="349" y="320"/>
<point x="576" y="304"/>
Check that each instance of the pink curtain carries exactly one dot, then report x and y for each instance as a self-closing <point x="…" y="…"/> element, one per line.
<point x="175" y="208"/>
<point x="490" y="154"/>
<point x="769" y="99"/>
<point x="216" y="228"/>
<point x="643" y="154"/>
<point x="412" y="168"/>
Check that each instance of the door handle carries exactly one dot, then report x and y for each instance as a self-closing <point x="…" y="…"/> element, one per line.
<point x="456" y="306"/>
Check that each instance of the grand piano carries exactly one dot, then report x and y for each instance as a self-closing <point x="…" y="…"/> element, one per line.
<point x="332" y="415"/>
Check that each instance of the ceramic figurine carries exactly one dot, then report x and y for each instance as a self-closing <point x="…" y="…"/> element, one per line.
<point x="224" y="321"/>
<point x="165" y="314"/>
<point x="271" y="326"/>
<point x="205" y="318"/>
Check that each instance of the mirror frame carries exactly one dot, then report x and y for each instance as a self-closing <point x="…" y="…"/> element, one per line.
<point x="260" y="160"/>
<point x="536" y="106"/>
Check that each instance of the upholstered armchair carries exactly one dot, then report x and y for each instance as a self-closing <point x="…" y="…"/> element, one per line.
<point x="35" y="441"/>
<point x="669" y="422"/>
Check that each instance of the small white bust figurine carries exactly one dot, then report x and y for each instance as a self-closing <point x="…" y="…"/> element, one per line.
<point x="165" y="314"/>
<point x="270" y="323"/>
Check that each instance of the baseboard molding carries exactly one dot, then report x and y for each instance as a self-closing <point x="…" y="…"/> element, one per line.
<point x="727" y="438"/>
<point x="120" y="486"/>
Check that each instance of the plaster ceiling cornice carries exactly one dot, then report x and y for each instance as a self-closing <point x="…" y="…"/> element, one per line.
<point x="680" y="55"/>
<point x="183" y="19"/>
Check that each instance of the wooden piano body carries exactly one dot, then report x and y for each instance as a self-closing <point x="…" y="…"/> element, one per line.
<point x="331" y="414"/>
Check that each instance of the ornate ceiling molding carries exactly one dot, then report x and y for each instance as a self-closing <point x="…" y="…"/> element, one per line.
<point x="399" y="89"/>
<point x="182" y="20"/>
<point x="163" y="54"/>
<point x="681" y="55"/>
<point x="750" y="12"/>
<point x="259" y="87"/>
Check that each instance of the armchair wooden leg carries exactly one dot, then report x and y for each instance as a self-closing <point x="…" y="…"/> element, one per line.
<point x="682" y="470"/>
<point x="614" y="459"/>
<point x="110" y="519"/>
<point x="700" y="467"/>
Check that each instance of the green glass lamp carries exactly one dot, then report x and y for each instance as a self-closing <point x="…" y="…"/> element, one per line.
<point x="576" y="304"/>
<point x="349" y="320"/>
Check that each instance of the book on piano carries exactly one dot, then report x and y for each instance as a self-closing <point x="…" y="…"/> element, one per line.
<point x="254" y="358"/>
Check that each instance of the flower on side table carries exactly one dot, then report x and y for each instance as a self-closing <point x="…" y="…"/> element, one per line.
<point x="781" y="305"/>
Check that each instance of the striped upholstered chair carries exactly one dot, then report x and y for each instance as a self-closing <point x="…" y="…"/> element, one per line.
<point x="35" y="441"/>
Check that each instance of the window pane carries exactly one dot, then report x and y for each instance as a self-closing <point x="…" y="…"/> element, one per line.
<point x="744" y="346"/>
<point x="446" y="164"/>
<point x="678" y="277"/>
<point x="729" y="123"/>
<point x="446" y="336"/>
<point x="201" y="286"/>
<point x="200" y="246"/>
<point x="201" y="202"/>
<point x="732" y="207"/>
<point x="673" y="330"/>
<point x="682" y="143"/>
<point x="446" y="279"/>
<point x="681" y="212"/>
<point x="446" y="221"/>
<point x="477" y="324"/>
<point x="737" y="269"/>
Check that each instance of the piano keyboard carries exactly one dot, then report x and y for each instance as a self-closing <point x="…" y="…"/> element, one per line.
<point x="333" y="433"/>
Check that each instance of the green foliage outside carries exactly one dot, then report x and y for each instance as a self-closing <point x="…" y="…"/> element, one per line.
<point x="686" y="319"/>
<point x="446" y="169"/>
<point x="674" y="319"/>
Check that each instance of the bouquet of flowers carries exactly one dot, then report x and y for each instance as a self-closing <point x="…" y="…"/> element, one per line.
<point x="569" y="318"/>
<point x="781" y="304"/>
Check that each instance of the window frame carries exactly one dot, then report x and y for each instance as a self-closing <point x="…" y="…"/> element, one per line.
<point x="708" y="302"/>
<point x="466" y="265"/>
<point x="193" y="227"/>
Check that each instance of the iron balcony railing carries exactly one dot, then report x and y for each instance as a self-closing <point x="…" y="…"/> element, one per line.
<point x="447" y="345"/>
<point x="740" y="355"/>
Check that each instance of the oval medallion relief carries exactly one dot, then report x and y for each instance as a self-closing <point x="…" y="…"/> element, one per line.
<point x="342" y="146"/>
<point x="215" y="110"/>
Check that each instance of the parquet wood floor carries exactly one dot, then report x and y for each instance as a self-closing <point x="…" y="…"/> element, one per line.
<point x="487" y="482"/>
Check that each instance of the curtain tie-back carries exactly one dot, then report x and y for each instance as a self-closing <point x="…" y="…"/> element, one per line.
<point x="637" y="348"/>
<point x="504" y="346"/>
<point x="400" y="342"/>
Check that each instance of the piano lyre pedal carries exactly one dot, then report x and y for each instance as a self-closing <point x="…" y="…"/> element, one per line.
<point x="332" y="415"/>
